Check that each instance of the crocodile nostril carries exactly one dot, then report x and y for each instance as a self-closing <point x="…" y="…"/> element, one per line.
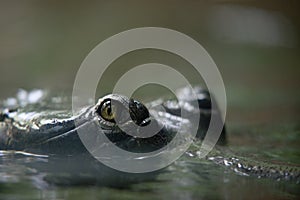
<point x="138" y="112"/>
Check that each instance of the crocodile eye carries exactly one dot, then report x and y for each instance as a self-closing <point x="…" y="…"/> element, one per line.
<point x="107" y="111"/>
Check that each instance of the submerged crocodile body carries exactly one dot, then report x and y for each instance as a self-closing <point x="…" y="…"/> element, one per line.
<point x="54" y="131"/>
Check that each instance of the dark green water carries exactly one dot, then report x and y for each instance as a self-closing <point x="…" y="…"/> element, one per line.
<point x="28" y="177"/>
<point x="44" y="43"/>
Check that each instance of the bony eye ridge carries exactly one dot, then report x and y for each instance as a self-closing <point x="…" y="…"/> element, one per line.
<point x="122" y="110"/>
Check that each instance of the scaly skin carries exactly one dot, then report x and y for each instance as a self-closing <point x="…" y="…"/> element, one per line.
<point x="54" y="131"/>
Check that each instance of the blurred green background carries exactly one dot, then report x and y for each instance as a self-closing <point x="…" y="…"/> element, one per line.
<point x="255" y="44"/>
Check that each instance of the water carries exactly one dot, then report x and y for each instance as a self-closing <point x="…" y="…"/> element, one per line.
<point x="78" y="176"/>
<point x="40" y="177"/>
<point x="44" y="43"/>
<point x="24" y="175"/>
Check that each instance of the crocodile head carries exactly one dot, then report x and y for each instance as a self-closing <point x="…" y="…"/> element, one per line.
<point x="126" y="122"/>
<point x="122" y="120"/>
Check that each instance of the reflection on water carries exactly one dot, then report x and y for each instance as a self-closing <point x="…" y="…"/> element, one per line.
<point x="29" y="176"/>
<point x="254" y="44"/>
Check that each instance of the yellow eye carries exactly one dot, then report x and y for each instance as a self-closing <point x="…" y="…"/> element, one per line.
<point x="107" y="111"/>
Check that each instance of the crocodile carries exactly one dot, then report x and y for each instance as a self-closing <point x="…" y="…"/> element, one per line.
<point x="29" y="124"/>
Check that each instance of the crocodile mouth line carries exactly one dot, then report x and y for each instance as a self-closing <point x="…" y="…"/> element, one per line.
<point x="70" y="132"/>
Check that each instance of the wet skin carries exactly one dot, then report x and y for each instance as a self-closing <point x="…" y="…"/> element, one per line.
<point x="60" y="135"/>
<point x="115" y="115"/>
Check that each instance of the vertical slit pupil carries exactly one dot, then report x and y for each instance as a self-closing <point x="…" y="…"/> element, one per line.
<point x="109" y="109"/>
